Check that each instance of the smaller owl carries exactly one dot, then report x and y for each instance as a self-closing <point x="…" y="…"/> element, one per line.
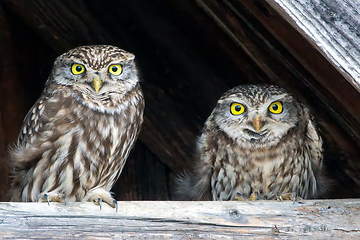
<point x="258" y="141"/>
<point x="76" y="138"/>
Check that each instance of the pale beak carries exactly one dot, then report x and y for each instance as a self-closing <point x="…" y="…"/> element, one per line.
<point x="97" y="84"/>
<point x="257" y="123"/>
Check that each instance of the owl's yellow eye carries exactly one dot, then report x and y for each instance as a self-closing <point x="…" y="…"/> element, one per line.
<point x="77" y="68"/>
<point x="115" y="69"/>
<point x="276" y="107"/>
<point x="237" y="108"/>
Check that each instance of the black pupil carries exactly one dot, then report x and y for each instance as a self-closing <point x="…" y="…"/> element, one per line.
<point x="78" y="68"/>
<point x="237" y="108"/>
<point x="275" y="107"/>
<point x="114" y="68"/>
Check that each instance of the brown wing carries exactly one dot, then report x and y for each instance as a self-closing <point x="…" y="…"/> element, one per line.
<point x="33" y="122"/>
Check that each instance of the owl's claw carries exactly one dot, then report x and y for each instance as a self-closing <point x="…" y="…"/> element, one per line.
<point x="100" y="202"/>
<point x="295" y="196"/>
<point x="51" y="197"/>
<point x="254" y="196"/>
<point x="288" y="196"/>
<point x="98" y="196"/>
<point x="116" y="205"/>
<point x="239" y="197"/>
<point x="65" y="199"/>
<point x="47" y="198"/>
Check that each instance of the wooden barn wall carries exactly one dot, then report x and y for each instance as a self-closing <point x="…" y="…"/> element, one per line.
<point x="188" y="54"/>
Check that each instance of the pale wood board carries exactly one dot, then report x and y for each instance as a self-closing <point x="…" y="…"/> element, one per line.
<point x="183" y="220"/>
<point x="334" y="26"/>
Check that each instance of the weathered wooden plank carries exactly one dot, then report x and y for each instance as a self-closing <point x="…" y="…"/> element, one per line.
<point x="185" y="220"/>
<point x="333" y="26"/>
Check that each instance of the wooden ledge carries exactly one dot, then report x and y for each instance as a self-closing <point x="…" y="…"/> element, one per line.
<point x="182" y="220"/>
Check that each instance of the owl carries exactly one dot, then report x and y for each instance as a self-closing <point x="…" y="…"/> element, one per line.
<point x="258" y="143"/>
<point x="75" y="140"/>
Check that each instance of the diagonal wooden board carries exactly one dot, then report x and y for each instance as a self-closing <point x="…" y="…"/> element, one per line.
<point x="182" y="220"/>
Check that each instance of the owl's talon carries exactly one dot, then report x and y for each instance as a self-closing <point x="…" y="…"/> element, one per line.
<point x="288" y="196"/>
<point x="116" y="205"/>
<point x="239" y="197"/>
<point x="65" y="199"/>
<point x="51" y="197"/>
<point x="295" y="196"/>
<point x="98" y="196"/>
<point x="47" y="198"/>
<point x="254" y="196"/>
<point x="100" y="201"/>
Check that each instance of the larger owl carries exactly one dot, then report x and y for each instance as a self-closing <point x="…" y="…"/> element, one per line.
<point x="76" y="138"/>
<point x="258" y="141"/>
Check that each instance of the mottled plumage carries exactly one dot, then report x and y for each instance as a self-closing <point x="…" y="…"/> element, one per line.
<point x="259" y="140"/>
<point x="77" y="136"/>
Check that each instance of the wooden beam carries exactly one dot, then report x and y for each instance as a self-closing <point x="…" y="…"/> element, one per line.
<point x="185" y="220"/>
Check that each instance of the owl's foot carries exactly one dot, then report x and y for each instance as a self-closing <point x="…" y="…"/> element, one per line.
<point x="99" y="202"/>
<point x="100" y="195"/>
<point x="253" y="197"/>
<point x="288" y="196"/>
<point x="52" y="197"/>
<point x="239" y="197"/>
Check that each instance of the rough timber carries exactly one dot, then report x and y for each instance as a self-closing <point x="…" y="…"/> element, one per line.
<point x="183" y="220"/>
<point x="334" y="26"/>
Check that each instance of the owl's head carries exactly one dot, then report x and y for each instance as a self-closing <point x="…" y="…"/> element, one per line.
<point x="96" y="72"/>
<point x="258" y="116"/>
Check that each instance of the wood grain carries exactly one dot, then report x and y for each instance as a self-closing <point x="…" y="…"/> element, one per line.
<point x="183" y="220"/>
